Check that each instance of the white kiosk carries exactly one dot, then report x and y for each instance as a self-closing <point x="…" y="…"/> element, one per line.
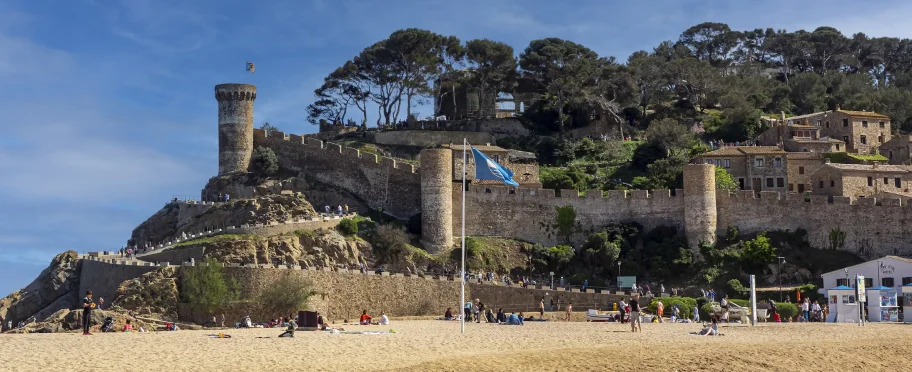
<point x="883" y="305"/>
<point x="907" y="302"/>
<point x="843" y="307"/>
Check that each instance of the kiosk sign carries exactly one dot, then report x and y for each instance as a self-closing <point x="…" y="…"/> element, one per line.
<point x="860" y="280"/>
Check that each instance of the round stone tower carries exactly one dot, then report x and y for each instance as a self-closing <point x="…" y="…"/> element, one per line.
<point x="436" y="199"/>
<point x="700" y="204"/>
<point x="235" y="126"/>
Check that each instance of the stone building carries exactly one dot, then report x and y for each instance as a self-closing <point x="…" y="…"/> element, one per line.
<point x="525" y="169"/>
<point x="861" y="131"/>
<point x="801" y="165"/>
<point x="898" y="150"/>
<point x="794" y="136"/>
<point x="758" y="168"/>
<point x="861" y="180"/>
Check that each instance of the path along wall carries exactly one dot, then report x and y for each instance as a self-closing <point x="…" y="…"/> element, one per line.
<point x="516" y="299"/>
<point x="530" y="214"/>
<point x="380" y="182"/>
<point x="872" y="227"/>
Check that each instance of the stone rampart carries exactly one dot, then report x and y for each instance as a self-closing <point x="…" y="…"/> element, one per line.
<point x="425" y="138"/>
<point x="103" y="275"/>
<point x="516" y="299"/>
<point x="529" y="214"/>
<point x="379" y="181"/>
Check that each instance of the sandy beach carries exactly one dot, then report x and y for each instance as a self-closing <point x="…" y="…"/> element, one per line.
<point x="427" y="345"/>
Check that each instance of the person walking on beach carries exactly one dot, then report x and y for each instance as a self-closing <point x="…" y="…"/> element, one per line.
<point x="635" y="313"/>
<point x="87" y="305"/>
<point x="569" y="310"/>
<point x="541" y="308"/>
<point x="660" y="309"/>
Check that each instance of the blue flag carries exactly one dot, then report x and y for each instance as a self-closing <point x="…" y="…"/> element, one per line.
<point x="489" y="170"/>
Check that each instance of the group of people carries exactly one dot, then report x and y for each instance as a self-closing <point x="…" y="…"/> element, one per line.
<point x="340" y="210"/>
<point x="488" y="315"/>
<point x="368" y="320"/>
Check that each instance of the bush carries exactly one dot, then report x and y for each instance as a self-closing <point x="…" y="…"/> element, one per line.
<point x="739" y="302"/>
<point x="686" y="304"/>
<point x="566" y="220"/>
<point x="708" y="309"/>
<point x="286" y="294"/>
<point x="207" y="289"/>
<point x="265" y="161"/>
<point x="390" y="242"/>
<point x="348" y="226"/>
<point x="787" y="311"/>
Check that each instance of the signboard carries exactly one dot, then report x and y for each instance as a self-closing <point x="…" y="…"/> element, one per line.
<point x="626" y="281"/>
<point x="860" y="284"/>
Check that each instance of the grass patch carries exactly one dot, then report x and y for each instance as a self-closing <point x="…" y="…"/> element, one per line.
<point x="848" y="158"/>
<point x="217" y="239"/>
<point x="308" y="233"/>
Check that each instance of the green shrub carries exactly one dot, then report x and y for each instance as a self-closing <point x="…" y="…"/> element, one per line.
<point x="739" y="302"/>
<point x="207" y="289"/>
<point x="348" y="226"/>
<point x="265" y="161"/>
<point x="787" y="311"/>
<point x="686" y="304"/>
<point x="707" y="309"/>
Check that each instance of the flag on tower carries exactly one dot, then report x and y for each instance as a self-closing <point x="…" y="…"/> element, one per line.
<point x="250" y="67"/>
<point x="487" y="169"/>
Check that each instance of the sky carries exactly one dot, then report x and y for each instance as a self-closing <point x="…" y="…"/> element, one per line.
<point x="108" y="110"/>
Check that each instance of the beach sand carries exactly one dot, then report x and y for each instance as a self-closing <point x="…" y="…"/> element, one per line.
<point x="428" y="345"/>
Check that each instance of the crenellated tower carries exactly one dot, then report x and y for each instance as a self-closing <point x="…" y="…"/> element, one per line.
<point x="700" y="215"/>
<point x="437" y="199"/>
<point x="235" y="126"/>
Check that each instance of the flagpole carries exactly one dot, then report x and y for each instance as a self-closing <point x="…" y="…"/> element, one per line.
<point x="463" y="276"/>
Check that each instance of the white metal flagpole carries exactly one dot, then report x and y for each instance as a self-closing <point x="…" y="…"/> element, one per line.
<point x="463" y="272"/>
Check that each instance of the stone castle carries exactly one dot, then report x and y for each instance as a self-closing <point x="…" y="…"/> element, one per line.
<point x="870" y="226"/>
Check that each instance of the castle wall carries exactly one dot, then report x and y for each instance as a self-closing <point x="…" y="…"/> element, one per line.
<point x="527" y="299"/>
<point x="424" y="138"/>
<point x="871" y="230"/>
<point x="505" y="127"/>
<point x="529" y="214"/>
<point x="379" y="181"/>
<point x="103" y="278"/>
<point x="235" y="126"/>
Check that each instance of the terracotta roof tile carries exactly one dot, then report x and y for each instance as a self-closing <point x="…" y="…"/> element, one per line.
<point x="870" y="168"/>
<point x="869" y="114"/>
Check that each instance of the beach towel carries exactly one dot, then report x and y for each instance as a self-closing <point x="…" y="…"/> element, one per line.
<point x="220" y="335"/>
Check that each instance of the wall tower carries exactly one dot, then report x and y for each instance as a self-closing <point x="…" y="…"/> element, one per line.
<point x="436" y="199"/>
<point x="235" y="126"/>
<point x="700" y="214"/>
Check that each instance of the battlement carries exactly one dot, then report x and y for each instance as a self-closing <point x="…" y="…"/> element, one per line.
<point x="750" y="198"/>
<point x="308" y="144"/>
<point x="526" y="192"/>
<point x="235" y="92"/>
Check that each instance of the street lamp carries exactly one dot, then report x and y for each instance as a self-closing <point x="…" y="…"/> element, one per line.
<point x="619" y="276"/>
<point x="781" y="260"/>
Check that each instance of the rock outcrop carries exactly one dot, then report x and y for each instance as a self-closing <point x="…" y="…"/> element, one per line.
<point x="177" y="218"/>
<point x="153" y="292"/>
<point x="54" y="289"/>
<point x="317" y="248"/>
<point x="66" y="320"/>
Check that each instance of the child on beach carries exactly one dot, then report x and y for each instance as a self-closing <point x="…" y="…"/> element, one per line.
<point x="128" y="327"/>
<point x="289" y="332"/>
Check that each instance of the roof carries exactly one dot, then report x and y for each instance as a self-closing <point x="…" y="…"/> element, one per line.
<point x="820" y="140"/>
<point x="481" y="148"/>
<point x="870" y="168"/>
<point x="745" y="150"/>
<point x="868" y="114"/>
<point x="881" y="288"/>
<point x="840" y="288"/>
<point x="898" y="258"/>
<point x="521" y="154"/>
<point x="806" y="126"/>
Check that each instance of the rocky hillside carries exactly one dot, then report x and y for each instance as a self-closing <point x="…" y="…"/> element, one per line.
<point x="153" y="292"/>
<point x="176" y="218"/>
<point x="54" y="289"/>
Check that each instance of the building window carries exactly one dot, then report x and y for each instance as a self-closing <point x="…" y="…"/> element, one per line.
<point x="800" y="187"/>
<point x="837" y="147"/>
<point x="832" y="183"/>
<point x="880" y="138"/>
<point x="778" y="162"/>
<point x="844" y="282"/>
<point x="886" y="282"/>
<point x="727" y="163"/>
<point x="780" y="182"/>
<point x="821" y="184"/>
<point x="881" y="124"/>
<point x="827" y="124"/>
<point x="800" y="170"/>
<point x="496" y="158"/>
<point x="864" y="123"/>
<point x="741" y="183"/>
<point x="845" y="139"/>
<point x="817" y="123"/>
<point x="864" y="140"/>
<point x="886" y="181"/>
<point x="769" y="182"/>
<point x="845" y="122"/>
<point x="907" y="280"/>
<point x="758" y="162"/>
<point x="897" y="182"/>
<point x="793" y="134"/>
<point x="891" y="154"/>
<point x="869" y="283"/>
<point x="870" y="181"/>
<point x="791" y="187"/>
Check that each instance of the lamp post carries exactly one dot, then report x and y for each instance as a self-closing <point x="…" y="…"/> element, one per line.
<point x="781" y="260"/>
<point x="619" y="276"/>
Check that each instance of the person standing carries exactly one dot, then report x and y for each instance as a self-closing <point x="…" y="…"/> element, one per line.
<point x="635" y="313"/>
<point x="541" y="308"/>
<point x="100" y="302"/>
<point x="696" y="316"/>
<point x="660" y="309"/>
<point x="87" y="306"/>
<point x="622" y="307"/>
<point x="805" y="309"/>
<point x="569" y="311"/>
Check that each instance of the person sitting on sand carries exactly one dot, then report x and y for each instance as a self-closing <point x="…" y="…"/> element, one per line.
<point x="289" y="332"/>
<point x="713" y="328"/>
<point x="521" y="318"/>
<point x="489" y="316"/>
<point x="128" y="327"/>
<point x="501" y="317"/>
<point x="448" y="315"/>
<point x="513" y="320"/>
<point x="365" y="319"/>
<point x="383" y="319"/>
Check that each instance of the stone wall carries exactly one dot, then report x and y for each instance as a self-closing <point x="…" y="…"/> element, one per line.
<point x="177" y="256"/>
<point x="425" y="138"/>
<point x="516" y="299"/>
<point x="379" y="181"/>
<point x="103" y="277"/>
<point x="529" y="214"/>
<point x="505" y="127"/>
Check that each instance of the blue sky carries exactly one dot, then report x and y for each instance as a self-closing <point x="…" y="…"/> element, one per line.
<point x="108" y="107"/>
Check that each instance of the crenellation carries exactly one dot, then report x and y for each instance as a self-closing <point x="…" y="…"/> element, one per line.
<point x="617" y="194"/>
<point x="569" y="193"/>
<point x="333" y="147"/>
<point x="388" y="163"/>
<point x="769" y="197"/>
<point x="858" y="201"/>
<point x="369" y="158"/>
<point x="314" y="143"/>
<point x="279" y="135"/>
<point x="891" y="202"/>
<point x="747" y="194"/>
<point x="661" y="194"/>
<point x="639" y="194"/>
<point x="296" y="139"/>
<point x="820" y="199"/>
<point x="844" y="200"/>
<point x="348" y="151"/>
<point x="593" y="194"/>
